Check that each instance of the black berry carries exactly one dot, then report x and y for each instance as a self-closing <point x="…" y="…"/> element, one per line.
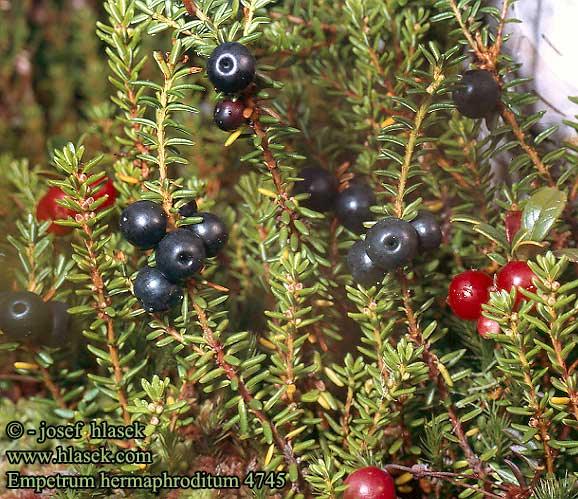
<point x="478" y="94"/>
<point x="362" y="268"/>
<point x="229" y="115"/>
<point x="61" y="325"/>
<point x="180" y="254"/>
<point x="24" y="316"/>
<point x="352" y="207"/>
<point x="428" y="231"/>
<point x="154" y="291"/>
<point x="231" y="67"/>
<point x="320" y="184"/>
<point x="212" y="232"/>
<point x="391" y="243"/>
<point x="143" y="224"/>
<point x="189" y="210"/>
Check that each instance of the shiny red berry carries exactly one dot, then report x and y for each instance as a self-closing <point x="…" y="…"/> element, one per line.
<point x="370" y="483"/>
<point x="486" y="326"/>
<point x="48" y="209"/>
<point x="105" y="188"/>
<point x="468" y="292"/>
<point x="516" y="274"/>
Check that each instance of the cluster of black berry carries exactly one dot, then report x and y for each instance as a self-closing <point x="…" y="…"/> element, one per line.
<point x="26" y="317"/>
<point x="352" y="205"/>
<point x="178" y="254"/>
<point x="231" y="69"/>
<point x="390" y="244"/>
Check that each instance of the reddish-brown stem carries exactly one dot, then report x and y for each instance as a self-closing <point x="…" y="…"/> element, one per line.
<point x="47" y="379"/>
<point x="487" y="58"/>
<point x="480" y="53"/>
<point x="510" y="118"/>
<point x="422" y="472"/>
<point x="497" y="47"/>
<point x="301" y="22"/>
<point x="432" y="362"/>
<point x="102" y="303"/>
<point x="538" y="418"/>
<point x="283" y="445"/>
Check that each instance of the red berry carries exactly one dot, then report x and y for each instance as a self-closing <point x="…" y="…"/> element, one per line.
<point x="516" y="274"/>
<point x="486" y="326"/>
<point x="468" y="292"/>
<point x="106" y="188"/>
<point x="370" y="483"/>
<point x="49" y="209"/>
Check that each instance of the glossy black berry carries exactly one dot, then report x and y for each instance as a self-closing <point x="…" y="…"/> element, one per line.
<point x="229" y="115"/>
<point x="212" y="232"/>
<point x="428" y="231"/>
<point x="180" y="254"/>
<point x="352" y="207"/>
<point x="154" y="291"/>
<point x="189" y="210"/>
<point x="143" y="224"/>
<point x="231" y="67"/>
<point x="61" y="325"/>
<point x="391" y="243"/>
<point x="24" y="316"/>
<point x="320" y="184"/>
<point x="361" y="267"/>
<point x="478" y="94"/>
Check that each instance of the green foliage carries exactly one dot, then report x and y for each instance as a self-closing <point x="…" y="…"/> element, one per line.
<point x="276" y="360"/>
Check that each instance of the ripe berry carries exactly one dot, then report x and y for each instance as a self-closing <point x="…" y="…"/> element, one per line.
<point x="61" y="319"/>
<point x="320" y="184"/>
<point x="212" y="232"/>
<point x="352" y="207"/>
<point x="189" y="210"/>
<point x="154" y="291"/>
<point x="370" y="483"/>
<point x="48" y="209"/>
<point x="486" y="326"/>
<point x="391" y="243"/>
<point x="362" y="268"/>
<point x="25" y="316"/>
<point x="428" y="231"/>
<point x="468" y="292"/>
<point x="231" y="67"/>
<point x="478" y="94"/>
<point x="516" y="274"/>
<point x="229" y="115"/>
<point x="106" y="188"/>
<point x="180" y="254"/>
<point x="143" y="224"/>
